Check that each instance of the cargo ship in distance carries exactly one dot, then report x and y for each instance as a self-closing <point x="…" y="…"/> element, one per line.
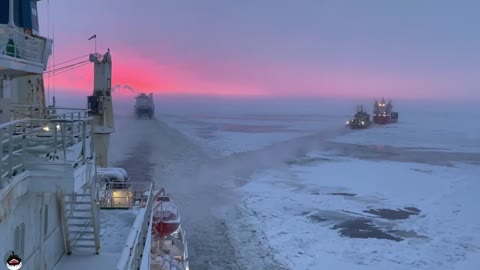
<point x="383" y="114"/>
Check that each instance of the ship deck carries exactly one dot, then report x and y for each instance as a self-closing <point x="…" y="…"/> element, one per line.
<point x="115" y="226"/>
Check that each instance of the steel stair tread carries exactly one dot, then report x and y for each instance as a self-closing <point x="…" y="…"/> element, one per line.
<point x="83" y="245"/>
<point x="69" y="202"/>
<point x="79" y="210"/>
<point x="81" y="232"/>
<point x="83" y="239"/>
<point x="75" y="217"/>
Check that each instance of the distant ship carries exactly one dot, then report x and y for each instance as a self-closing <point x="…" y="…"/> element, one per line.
<point x="144" y="105"/>
<point x="361" y="119"/>
<point x="383" y="114"/>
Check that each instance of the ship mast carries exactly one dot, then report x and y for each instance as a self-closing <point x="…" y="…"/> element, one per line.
<point x="100" y="106"/>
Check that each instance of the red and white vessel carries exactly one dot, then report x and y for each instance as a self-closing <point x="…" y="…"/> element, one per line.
<point x="169" y="246"/>
<point x="383" y="114"/>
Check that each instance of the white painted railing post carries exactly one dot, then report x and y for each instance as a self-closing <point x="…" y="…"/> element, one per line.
<point x="1" y="158"/>
<point x="72" y="132"/>
<point x="24" y="147"/>
<point x="55" y="143"/>
<point x="95" y="212"/>
<point x="84" y="143"/>
<point x="64" y="139"/>
<point x="10" y="149"/>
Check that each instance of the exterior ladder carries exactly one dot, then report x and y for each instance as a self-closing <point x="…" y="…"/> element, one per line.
<point x="80" y="220"/>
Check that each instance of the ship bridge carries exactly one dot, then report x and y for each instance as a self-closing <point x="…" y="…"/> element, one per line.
<point x="22" y="54"/>
<point x="22" y="50"/>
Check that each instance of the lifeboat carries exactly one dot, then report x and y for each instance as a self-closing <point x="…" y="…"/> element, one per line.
<point x="166" y="218"/>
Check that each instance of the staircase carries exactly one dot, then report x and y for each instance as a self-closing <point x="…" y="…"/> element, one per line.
<point x="80" y="222"/>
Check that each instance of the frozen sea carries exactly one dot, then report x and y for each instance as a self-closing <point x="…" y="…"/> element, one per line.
<point x="301" y="191"/>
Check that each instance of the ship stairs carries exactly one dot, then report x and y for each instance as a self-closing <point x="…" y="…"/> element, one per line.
<point x="80" y="221"/>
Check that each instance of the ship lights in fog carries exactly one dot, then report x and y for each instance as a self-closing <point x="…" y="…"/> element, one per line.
<point x="121" y="198"/>
<point x="47" y="128"/>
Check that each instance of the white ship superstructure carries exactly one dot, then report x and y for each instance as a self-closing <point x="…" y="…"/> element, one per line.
<point x="54" y="177"/>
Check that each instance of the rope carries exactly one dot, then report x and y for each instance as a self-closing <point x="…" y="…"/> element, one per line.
<point x="73" y="59"/>
<point x="48" y="72"/>
<point x="65" y="70"/>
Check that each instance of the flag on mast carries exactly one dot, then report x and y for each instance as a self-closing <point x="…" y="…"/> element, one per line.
<point x="92" y="37"/>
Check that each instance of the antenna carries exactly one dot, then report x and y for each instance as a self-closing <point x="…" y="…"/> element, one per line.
<point x="48" y="18"/>
<point x="48" y="35"/>
<point x="53" y="55"/>
<point x="94" y="37"/>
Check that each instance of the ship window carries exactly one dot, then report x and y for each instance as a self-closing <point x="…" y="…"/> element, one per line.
<point x="45" y="219"/>
<point x="20" y="239"/>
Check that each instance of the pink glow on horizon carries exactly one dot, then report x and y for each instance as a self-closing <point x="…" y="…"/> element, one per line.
<point x="246" y="79"/>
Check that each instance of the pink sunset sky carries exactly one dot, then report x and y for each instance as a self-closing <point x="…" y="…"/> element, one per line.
<point x="326" y="49"/>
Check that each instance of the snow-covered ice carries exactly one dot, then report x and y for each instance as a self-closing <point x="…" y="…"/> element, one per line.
<point x="234" y="134"/>
<point x="298" y="207"/>
<point x="265" y="194"/>
<point x="328" y="210"/>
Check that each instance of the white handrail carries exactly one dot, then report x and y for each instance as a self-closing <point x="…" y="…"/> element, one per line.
<point x="131" y="256"/>
<point x="6" y="125"/>
<point x="25" y="142"/>
<point x="23" y="111"/>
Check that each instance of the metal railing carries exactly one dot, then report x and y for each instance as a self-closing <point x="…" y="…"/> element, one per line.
<point x="30" y="143"/>
<point x="114" y="194"/>
<point x="19" y="111"/>
<point x="131" y="256"/>
<point x="16" y="44"/>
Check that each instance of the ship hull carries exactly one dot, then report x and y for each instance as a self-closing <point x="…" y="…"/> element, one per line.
<point x="380" y="119"/>
<point x="359" y="126"/>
